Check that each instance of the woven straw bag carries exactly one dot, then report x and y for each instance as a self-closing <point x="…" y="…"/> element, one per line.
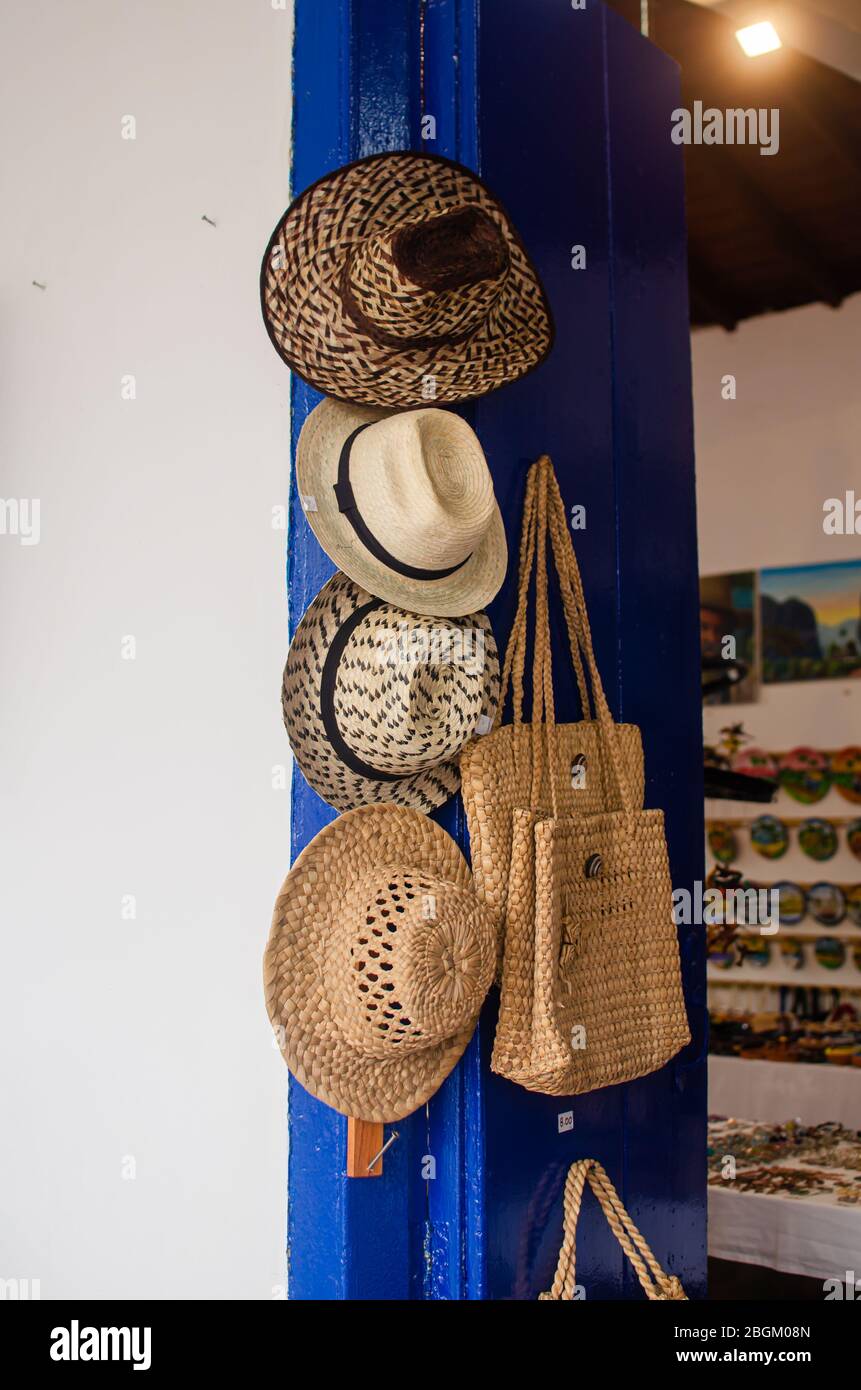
<point x="657" y="1286"/>
<point x="591" y="991"/>
<point x="499" y="771"/>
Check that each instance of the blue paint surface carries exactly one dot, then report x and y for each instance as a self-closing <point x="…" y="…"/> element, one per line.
<point x="565" y="113"/>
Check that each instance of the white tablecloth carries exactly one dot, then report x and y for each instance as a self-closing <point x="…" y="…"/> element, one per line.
<point x="796" y="1235"/>
<point x="776" y="1091"/>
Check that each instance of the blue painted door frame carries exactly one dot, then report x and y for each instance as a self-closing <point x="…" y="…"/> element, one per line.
<point x="566" y="114"/>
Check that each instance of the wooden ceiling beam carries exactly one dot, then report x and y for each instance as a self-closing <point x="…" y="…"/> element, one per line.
<point x="703" y="315"/>
<point x="808" y="258"/>
<point x="811" y="98"/>
<point x="713" y="298"/>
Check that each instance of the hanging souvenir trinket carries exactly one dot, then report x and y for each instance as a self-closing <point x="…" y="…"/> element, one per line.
<point x="818" y="838"/>
<point x="792" y="952"/>
<point x="755" y="762"/>
<point x="769" y="837"/>
<point x="853" y="904"/>
<point x="721" y="935"/>
<point x="755" y="951"/>
<point x="793" y="904"/>
<point x="827" y="904"/>
<point x="722" y="959"/>
<point x="846" y="773"/>
<point x="853" y="837"/>
<point x="722" y="842"/>
<point x="805" y="775"/>
<point x="830" y="952"/>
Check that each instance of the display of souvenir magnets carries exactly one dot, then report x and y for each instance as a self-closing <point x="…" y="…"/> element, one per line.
<point x="723" y="959"/>
<point x="853" y="904"/>
<point x="792" y="903"/>
<point x="804" y="773"/>
<point x="722" y="842"/>
<point x="827" y="903"/>
<point x="755" y="762"/>
<point x="792" y="952"/>
<point x="769" y="837"/>
<point x="755" y="951"/>
<point x="830" y="952"/>
<point x="846" y="773"/>
<point x="817" y="838"/>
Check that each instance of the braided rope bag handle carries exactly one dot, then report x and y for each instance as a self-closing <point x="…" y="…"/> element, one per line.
<point x="656" y="1285"/>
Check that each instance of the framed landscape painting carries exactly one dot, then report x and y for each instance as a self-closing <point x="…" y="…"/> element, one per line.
<point x="811" y="622"/>
<point x="728" y="637"/>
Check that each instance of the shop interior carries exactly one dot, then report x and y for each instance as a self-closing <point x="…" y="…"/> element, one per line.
<point x="776" y="317"/>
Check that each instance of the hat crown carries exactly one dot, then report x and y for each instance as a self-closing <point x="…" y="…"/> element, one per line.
<point x="409" y="962"/>
<point x="450" y="251"/>
<point x="431" y="279"/>
<point x="423" y="487"/>
<point x="410" y="690"/>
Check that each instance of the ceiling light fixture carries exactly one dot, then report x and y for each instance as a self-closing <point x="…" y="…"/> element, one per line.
<point x="758" y="38"/>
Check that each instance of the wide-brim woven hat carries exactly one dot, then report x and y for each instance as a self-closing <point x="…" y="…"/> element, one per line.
<point x="404" y="504"/>
<point x="378" y="961"/>
<point x="400" y="280"/>
<point x="378" y="702"/>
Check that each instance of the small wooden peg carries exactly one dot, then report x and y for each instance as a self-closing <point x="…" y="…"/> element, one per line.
<point x="364" y="1141"/>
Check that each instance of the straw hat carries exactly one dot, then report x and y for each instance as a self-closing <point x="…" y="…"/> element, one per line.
<point x="404" y="505"/>
<point x="378" y="961"/>
<point x="378" y="702"/>
<point x="400" y="280"/>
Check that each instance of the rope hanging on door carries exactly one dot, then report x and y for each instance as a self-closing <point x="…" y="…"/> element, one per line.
<point x="656" y="1284"/>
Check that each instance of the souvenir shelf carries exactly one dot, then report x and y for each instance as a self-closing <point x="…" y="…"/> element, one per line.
<point x="816" y="978"/>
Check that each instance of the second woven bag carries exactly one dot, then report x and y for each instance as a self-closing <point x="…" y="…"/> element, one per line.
<point x="501" y="777"/>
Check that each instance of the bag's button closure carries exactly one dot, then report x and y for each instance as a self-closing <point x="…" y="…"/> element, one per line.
<point x="593" y="866"/>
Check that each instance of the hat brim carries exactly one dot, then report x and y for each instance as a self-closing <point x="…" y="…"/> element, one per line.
<point x="322" y="767"/>
<point x="470" y="588"/>
<point x="297" y="1002"/>
<point x="311" y="329"/>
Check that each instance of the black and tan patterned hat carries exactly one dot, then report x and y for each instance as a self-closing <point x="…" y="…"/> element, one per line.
<point x="378" y="962"/>
<point x="400" y="280"/>
<point x="378" y="703"/>
<point x="403" y="503"/>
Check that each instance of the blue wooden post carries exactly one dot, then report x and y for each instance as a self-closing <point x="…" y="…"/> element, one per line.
<point x="566" y="114"/>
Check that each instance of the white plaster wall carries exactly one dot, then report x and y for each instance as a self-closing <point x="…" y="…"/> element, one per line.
<point x="145" y="1038"/>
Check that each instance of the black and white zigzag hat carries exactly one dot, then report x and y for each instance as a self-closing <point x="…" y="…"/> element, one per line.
<point x="378" y="703"/>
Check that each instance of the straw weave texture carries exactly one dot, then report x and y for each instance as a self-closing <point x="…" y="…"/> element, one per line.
<point x="426" y="495"/>
<point x="364" y="322"/>
<point x="378" y="961"/>
<point x="591" y="989"/>
<point x="497" y="773"/>
<point x="408" y="694"/>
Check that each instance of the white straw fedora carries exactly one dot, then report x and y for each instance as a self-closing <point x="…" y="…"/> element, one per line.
<point x="378" y="961"/>
<point x="403" y="504"/>
<point x="378" y="703"/>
